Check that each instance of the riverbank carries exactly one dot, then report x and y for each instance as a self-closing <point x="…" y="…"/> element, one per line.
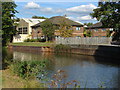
<point x="33" y="44"/>
<point x="9" y="80"/>
<point x="108" y="51"/>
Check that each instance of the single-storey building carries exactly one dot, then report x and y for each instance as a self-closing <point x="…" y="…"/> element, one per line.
<point x="24" y="29"/>
<point x="97" y="30"/>
<point x="56" y="20"/>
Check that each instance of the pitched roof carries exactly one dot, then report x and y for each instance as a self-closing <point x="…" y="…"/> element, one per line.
<point x="57" y="20"/>
<point x="96" y="25"/>
<point x="33" y="21"/>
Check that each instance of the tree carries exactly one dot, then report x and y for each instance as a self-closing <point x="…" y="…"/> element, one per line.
<point x="8" y="27"/>
<point x="88" y="24"/>
<point x="39" y="17"/>
<point x="108" y="33"/>
<point x="109" y="14"/>
<point x="48" y="29"/>
<point x="65" y="29"/>
<point x="87" y="33"/>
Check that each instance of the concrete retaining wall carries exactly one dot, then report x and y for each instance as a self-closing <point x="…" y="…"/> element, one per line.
<point x="97" y="50"/>
<point x="31" y="48"/>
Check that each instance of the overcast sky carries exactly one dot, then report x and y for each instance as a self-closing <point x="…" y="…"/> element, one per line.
<point x="77" y="10"/>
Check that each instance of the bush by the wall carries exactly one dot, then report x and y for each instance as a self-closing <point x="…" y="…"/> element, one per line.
<point x="61" y="47"/>
<point x="26" y="69"/>
<point x="34" y="40"/>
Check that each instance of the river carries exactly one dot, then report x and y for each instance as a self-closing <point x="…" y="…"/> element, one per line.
<point x="90" y="71"/>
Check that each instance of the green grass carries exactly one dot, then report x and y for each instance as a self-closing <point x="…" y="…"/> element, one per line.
<point x="33" y="44"/>
<point x="10" y="80"/>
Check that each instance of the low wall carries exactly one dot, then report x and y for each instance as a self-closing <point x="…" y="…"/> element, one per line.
<point x="83" y="40"/>
<point x="31" y="48"/>
<point x="97" y="50"/>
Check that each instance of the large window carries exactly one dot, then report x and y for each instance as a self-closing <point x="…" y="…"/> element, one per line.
<point x="20" y="30"/>
<point x="77" y="28"/>
<point x="96" y="30"/>
<point x="104" y="29"/>
<point x="23" y="30"/>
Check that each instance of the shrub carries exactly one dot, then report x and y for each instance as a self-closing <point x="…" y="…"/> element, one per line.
<point x="42" y="40"/>
<point x="26" y="69"/>
<point x="62" y="47"/>
<point x="35" y="40"/>
<point x="27" y="40"/>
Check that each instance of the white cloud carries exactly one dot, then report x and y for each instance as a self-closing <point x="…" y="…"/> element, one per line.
<point x="37" y="7"/>
<point x="32" y="5"/>
<point x="43" y="9"/>
<point x="82" y="8"/>
<point x="84" y="18"/>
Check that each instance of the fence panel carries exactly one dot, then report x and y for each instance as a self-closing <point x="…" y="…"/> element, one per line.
<point x="84" y="40"/>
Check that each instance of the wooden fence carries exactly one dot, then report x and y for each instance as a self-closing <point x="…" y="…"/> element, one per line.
<point x="84" y="40"/>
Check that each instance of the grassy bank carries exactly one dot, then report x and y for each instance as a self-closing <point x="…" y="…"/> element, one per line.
<point x="10" y="80"/>
<point x="33" y="44"/>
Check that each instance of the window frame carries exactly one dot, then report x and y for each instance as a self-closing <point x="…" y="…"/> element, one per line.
<point x="23" y="30"/>
<point x="78" y="28"/>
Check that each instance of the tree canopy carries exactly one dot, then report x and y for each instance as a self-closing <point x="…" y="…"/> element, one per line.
<point x="8" y="27"/>
<point x="39" y="17"/>
<point x="65" y="29"/>
<point x="88" y="24"/>
<point x="48" y="29"/>
<point x="109" y="14"/>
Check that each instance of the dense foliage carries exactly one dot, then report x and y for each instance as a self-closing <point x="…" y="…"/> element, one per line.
<point x="8" y="27"/>
<point x="109" y="14"/>
<point x="48" y="29"/>
<point x="88" y="24"/>
<point x="39" y="17"/>
<point x="27" y="69"/>
<point x="87" y="33"/>
<point x="65" y="29"/>
<point x="61" y="48"/>
<point x="34" y="40"/>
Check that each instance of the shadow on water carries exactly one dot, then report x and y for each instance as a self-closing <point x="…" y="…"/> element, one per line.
<point x="6" y="56"/>
<point x="111" y="56"/>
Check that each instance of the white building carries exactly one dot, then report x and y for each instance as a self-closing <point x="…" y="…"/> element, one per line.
<point x="24" y="29"/>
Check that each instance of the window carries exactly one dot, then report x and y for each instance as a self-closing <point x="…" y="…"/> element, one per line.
<point x="78" y="36"/>
<point x="96" y="30"/>
<point x="25" y="30"/>
<point x="22" y="30"/>
<point x="103" y="29"/>
<point x="77" y="28"/>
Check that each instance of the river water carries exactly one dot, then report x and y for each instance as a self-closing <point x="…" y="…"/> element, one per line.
<point x="90" y="71"/>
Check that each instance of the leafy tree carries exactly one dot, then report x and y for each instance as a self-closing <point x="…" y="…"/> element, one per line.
<point x="108" y="33"/>
<point x="8" y="27"/>
<point x="88" y="24"/>
<point x="109" y="14"/>
<point x="87" y="33"/>
<point x="65" y="29"/>
<point x="39" y="17"/>
<point x="48" y="29"/>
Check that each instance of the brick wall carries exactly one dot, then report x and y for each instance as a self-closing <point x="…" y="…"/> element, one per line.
<point x="57" y="33"/>
<point x="99" y="32"/>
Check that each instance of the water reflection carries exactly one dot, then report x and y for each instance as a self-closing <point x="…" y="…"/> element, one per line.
<point x="85" y="69"/>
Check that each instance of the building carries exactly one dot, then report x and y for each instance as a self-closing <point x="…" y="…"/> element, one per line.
<point x="97" y="30"/>
<point x="57" y="20"/>
<point x="24" y="29"/>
